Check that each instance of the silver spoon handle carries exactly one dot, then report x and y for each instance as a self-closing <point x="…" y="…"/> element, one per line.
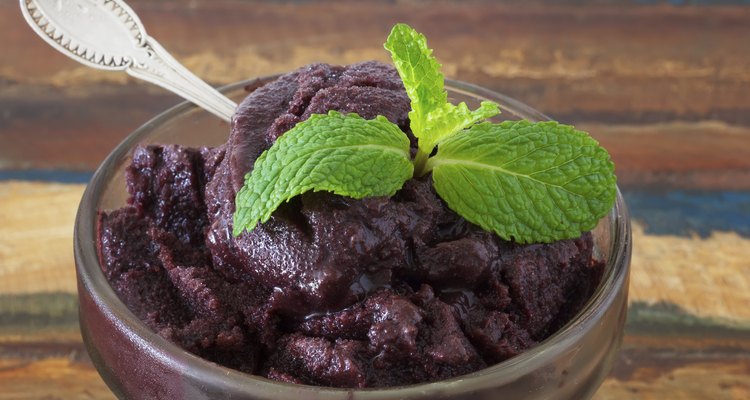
<point x="161" y="69"/>
<point x="107" y="34"/>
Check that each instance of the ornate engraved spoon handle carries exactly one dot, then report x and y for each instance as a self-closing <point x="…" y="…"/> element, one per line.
<point x="107" y="34"/>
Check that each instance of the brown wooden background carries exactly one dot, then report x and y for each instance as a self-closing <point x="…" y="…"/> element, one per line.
<point x="664" y="85"/>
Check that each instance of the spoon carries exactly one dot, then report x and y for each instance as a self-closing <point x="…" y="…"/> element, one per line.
<point x="107" y="34"/>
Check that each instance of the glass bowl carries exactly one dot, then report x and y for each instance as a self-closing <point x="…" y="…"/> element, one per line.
<point x="137" y="363"/>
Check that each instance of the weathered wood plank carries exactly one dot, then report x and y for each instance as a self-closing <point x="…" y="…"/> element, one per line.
<point x="688" y="155"/>
<point x="63" y="378"/>
<point x="598" y="62"/>
<point x="36" y="237"/>
<point x="700" y="155"/>
<point x="720" y="379"/>
<point x="670" y="354"/>
<point x="708" y="277"/>
<point x="47" y="131"/>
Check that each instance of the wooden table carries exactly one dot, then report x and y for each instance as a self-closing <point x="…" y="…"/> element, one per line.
<point x="664" y="86"/>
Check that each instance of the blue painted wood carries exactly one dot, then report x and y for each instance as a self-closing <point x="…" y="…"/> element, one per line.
<point x="44" y="175"/>
<point x="686" y="213"/>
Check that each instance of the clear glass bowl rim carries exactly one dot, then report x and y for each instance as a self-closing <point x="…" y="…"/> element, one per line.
<point x="195" y="368"/>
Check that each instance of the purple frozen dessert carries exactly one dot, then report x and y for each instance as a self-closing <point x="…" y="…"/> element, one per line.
<point x="330" y="291"/>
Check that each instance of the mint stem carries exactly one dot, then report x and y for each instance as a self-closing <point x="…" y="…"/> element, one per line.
<point x="419" y="163"/>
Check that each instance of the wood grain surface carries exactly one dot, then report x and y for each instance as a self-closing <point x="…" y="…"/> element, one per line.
<point x="664" y="85"/>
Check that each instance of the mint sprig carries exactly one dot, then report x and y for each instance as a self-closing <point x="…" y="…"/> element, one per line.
<point x="343" y="154"/>
<point x="524" y="181"/>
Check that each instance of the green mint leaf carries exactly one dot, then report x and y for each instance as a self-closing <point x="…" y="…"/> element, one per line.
<point x="432" y="118"/>
<point x="449" y="120"/>
<point x="528" y="182"/>
<point x="420" y="72"/>
<point x="343" y="154"/>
